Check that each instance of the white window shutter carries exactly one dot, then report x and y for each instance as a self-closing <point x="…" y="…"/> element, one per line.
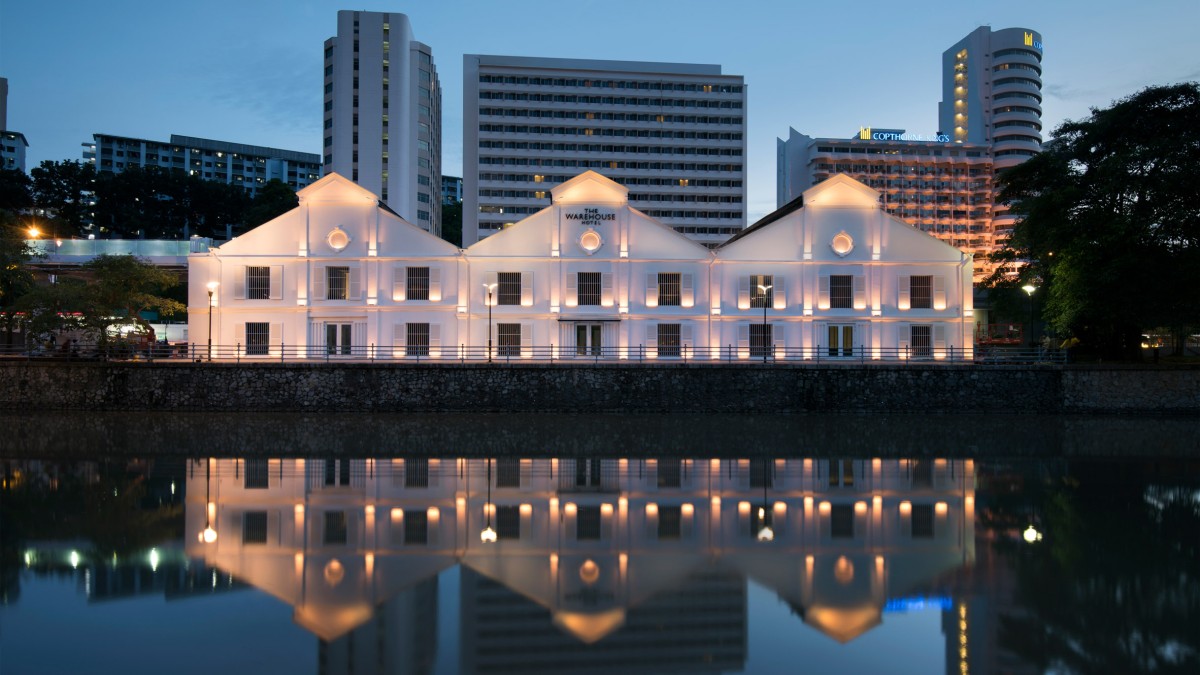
<point x="358" y="338"/>
<point x="606" y="290"/>
<point x="572" y="289"/>
<point x="318" y="282"/>
<point x="688" y="290"/>
<point x="275" y="337"/>
<point x="743" y="292"/>
<point x="435" y="339"/>
<point x="527" y="289"/>
<point x="399" y="336"/>
<point x="399" y="278"/>
<point x="652" y="335"/>
<point x="355" y="283"/>
<point x="526" y="339"/>
<point x="903" y="338"/>
<point x="939" y="336"/>
<point x="823" y="293"/>
<point x="239" y="283"/>
<point x="780" y="291"/>
<point x="276" y="291"/>
<point x="777" y="336"/>
<point x="435" y="284"/>
<point x="743" y="336"/>
<point x="860" y="292"/>
<point x="566" y="339"/>
<point x="904" y="291"/>
<point x="316" y="338"/>
<point x="239" y="332"/>
<point x="939" y="292"/>
<point x="687" y="336"/>
<point x="652" y="290"/>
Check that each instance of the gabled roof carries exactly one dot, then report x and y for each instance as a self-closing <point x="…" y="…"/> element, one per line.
<point x="589" y="186"/>
<point x="775" y="215"/>
<point x="335" y="187"/>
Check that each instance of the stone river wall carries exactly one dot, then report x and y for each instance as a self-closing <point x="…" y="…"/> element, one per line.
<point x="736" y="388"/>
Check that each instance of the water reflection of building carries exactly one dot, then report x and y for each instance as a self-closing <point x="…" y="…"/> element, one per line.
<point x="590" y="541"/>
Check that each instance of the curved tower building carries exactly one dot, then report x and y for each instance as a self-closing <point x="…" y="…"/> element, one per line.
<point x="992" y="94"/>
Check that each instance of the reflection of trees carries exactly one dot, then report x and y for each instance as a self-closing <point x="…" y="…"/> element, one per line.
<point x="1115" y="585"/>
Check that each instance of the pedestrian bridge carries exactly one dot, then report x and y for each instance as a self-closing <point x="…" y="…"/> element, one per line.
<point x="55" y="254"/>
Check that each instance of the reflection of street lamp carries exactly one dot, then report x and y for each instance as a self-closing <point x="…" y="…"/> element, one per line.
<point x="765" y="533"/>
<point x="1031" y="534"/>
<point x="212" y="286"/>
<point x="763" y="290"/>
<point x="209" y="535"/>
<point x="490" y="288"/>
<point x="488" y="535"/>
<point x="1029" y="289"/>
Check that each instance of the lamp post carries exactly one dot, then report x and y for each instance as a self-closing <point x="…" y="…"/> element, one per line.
<point x="209" y="535"/>
<point x="1029" y="289"/>
<point x="766" y="342"/>
<point x="212" y="286"/>
<point x="488" y="535"/>
<point x="490" y="288"/>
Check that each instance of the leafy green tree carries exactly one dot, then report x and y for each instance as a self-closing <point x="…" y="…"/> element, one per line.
<point x="452" y="223"/>
<point x="16" y="280"/>
<point x="156" y="203"/>
<point x="16" y="191"/>
<point x="64" y="190"/>
<point x="1111" y="228"/>
<point x="274" y="199"/>
<point x="120" y="289"/>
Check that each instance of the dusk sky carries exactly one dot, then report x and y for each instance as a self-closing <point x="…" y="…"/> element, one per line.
<point x="251" y="71"/>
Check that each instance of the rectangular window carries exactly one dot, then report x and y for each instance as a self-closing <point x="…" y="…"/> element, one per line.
<point x="760" y="340"/>
<point x="922" y="341"/>
<point x="841" y="520"/>
<point x="416" y="527"/>
<point x="922" y="473"/>
<point x="668" y="289"/>
<point x="254" y="527"/>
<point x="337" y="283"/>
<point x="587" y="523"/>
<point x="508" y="288"/>
<point x="417" y="283"/>
<point x="417" y="339"/>
<point x="921" y="292"/>
<point x="416" y="473"/>
<point x="508" y="522"/>
<point x="758" y="297"/>
<point x="508" y="472"/>
<point x="668" y="339"/>
<point x="256" y="474"/>
<point x="922" y="521"/>
<point x="670" y="473"/>
<point x="258" y="283"/>
<point x="335" y="527"/>
<point x="841" y="291"/>
<point x="762" y="473"/>
<point x="841" y="473"/>
<point x="508" y="338"/>
<point x="258" y="338"/>
<point x="589" y="288"/>
<point x="670" y="520"/>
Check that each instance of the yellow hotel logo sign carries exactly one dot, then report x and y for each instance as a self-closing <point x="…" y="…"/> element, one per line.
<point x="864" y="133"/>
<point x="1030" y="42"/>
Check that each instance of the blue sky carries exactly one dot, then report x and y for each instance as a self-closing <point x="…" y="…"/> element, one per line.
<point x="250" y="71"/>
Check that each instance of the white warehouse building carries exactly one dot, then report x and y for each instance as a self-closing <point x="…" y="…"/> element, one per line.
<point x="830" y="275"/>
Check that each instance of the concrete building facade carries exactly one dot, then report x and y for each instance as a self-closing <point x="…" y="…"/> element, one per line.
<point x="675" y="134"/>
<point x="383" y="114"/>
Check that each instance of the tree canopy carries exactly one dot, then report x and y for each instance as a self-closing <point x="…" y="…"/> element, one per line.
<point x="1111" y="226"/>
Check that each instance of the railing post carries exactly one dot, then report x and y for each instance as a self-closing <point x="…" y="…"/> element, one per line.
<point x="282" y="351"/>
<point x="462" y="354"/>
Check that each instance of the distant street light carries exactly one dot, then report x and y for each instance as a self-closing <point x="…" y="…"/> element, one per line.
<point x="766" y="342"/>
<point x="490" y="288"/>
<point x="1029" y="289"/>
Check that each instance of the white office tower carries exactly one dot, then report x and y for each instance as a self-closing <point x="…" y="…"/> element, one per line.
<point x="674" y="134"/>
<point x="383" y="114"/>
<point x="992" y="93"/>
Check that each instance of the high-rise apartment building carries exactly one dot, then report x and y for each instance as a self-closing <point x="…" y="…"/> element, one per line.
<point x="939" y="187"/>
<point x="452" y="189"/>
<point x="12" y="143"/>
<point x="383" y="114"/>
<point x="992" y="93"/>
<point x="246" y="166"/>
<point x="674" y="134"/>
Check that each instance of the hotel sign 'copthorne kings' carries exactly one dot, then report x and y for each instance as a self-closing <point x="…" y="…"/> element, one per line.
<point x="869" y="134"/>
<point x="590" y="216"/>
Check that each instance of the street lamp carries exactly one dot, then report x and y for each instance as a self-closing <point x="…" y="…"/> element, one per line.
<point x="766" y="342"/>
<point x="488" y="535"/>
<point x="490" y="288"/>
<point x="1029" y="289"/>
<point x="34" y="233"/>
<point x="212" y="287"/>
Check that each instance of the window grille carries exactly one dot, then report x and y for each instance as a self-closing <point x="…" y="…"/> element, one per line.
<point x="417" y="283"/>
<point x="669" y="473"/>
<point x="841" y="291"/>
<point x="256" y="474"/>
<point x="669" y="284"/>
<point x="759" y="298"/>
<point x="922" y="341"/>
<point x="416" y="527"/>
<point x="258" y="283"/>
<point x="335" y="527"/>
<point x="508" y="288"/>
<point x="587" y="522"/>
<point x="508" y="472"/>
<point x="254" y="527"/>
<point x="668" y="339"/>
<point x="922" y="521"/>
<point x="338" y="283"/>
<point x="508" y="522"/>
<point x="921" y="292"/>
<point x="589" y="288"/>
<point x="416" y="473"/>
<point x="841" y="520"/>
<point x="258" y="339"/>
<point x="509" y="338"/>
<point x="760" y="340"/>
<point x="417" y="339"/>
<point x="670" y="520"/>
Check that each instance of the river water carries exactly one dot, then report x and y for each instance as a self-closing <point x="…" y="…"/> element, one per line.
<point x="147" y="543"/>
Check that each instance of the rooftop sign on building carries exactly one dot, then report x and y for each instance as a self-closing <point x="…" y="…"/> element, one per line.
<point x="869" y="134"/>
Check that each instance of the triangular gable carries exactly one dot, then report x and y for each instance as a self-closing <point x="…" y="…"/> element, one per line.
<point x="334" y="187"/>
<point x="651" y="239"/>
<point x="400" y="238"/>
<point x="529" y="237"/>
<point x="841" y="190"/>
<point x="590" y="186"/>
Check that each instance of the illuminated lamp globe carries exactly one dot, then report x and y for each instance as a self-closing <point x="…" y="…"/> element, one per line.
<point x="488" y="535"/>
<point x="1031" y="535"/>
<point x="209" y="535"/>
